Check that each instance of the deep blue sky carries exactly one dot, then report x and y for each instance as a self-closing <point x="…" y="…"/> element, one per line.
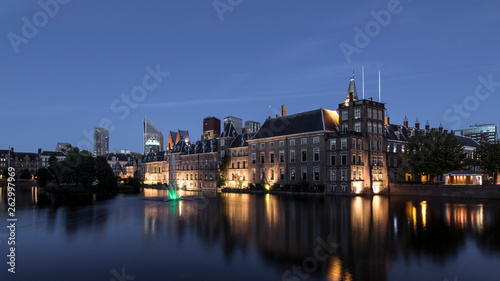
<point x="65" y="78"/>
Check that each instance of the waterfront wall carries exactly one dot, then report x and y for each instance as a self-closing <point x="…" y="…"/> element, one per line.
<point x="485" y="192"/>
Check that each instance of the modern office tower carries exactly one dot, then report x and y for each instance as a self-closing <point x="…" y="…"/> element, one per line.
<point x="61" y="145"/>
<point x="211" y="128"/>
<point x="153" y="138"/>
<point x="101" y="141"/>
<point x="237" y="123"/>
<point x="252" y="126"/>
<point x="482" y="133"/>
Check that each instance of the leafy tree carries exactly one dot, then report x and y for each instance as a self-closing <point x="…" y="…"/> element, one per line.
<point x="488" y="155"/>
<point x="5" y="173"/>
<point x="223" y="170"/>
<point x="104" y="174"/>
<point x="43" y="177"/>
<point x="25" y="175"/>
<point x="433" y="154"/>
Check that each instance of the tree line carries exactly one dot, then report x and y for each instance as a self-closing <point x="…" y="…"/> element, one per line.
<point x="438" y="152"/>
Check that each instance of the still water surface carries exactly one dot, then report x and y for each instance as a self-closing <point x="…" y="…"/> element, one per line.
<point x="251" y="237"/>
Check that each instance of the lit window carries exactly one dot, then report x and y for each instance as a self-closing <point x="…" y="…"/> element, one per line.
<point x="333" y="144"/>
<point x="292" y="174"/>
<point x="316" y="173"/>
<point x="343" y="143"/>
<point x="357" y="113"/>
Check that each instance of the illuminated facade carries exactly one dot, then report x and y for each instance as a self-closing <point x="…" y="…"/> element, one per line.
<point x="340" y="150"/>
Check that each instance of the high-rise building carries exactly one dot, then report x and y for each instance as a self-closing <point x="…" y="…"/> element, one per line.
<point x="61" y="145"/>
<point x="252" y="126"/>
<point x="101" y="141"/>
<point x="482" y="133"/>
<point x="237" y="123"/>
<point x="211" y="128"/>
<point x="153" y="138"/>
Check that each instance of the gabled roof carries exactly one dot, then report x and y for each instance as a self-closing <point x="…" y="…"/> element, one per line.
<point x="22" y="155"/>
<point x="305" y="122"/>
<point x="241" y="139"/>
<point x="466" y="141"/>
<point x="180" y="147"/>
<point x="117" y="166"/>
<point x="53" y="153"/>
<point x="119" y="156"/>
<point x="229" y="131"/>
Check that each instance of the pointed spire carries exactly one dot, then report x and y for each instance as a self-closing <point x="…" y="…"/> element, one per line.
<point x="352" y="89"/>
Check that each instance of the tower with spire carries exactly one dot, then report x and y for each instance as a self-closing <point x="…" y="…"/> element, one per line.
<point x="362" y="135"/>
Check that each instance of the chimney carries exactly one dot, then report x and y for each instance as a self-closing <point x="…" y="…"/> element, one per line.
<point x="283" y="110"/>
<point x="114" y="151"/>
<point x="405" y="122"/>
<point x="370" y="99"/>
<point x="427" y="126"/>
<point x="277" y="115"/>
<point x="39" y="151"/>
<point x="386" y="120"/>
<point x="417" y="124"/>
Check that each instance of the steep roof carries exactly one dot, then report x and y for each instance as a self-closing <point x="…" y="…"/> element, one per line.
<point x="352" y="89"/>
<point x="466" y="141"/>
<point x="229" y="131"/>
<point x="305" y="122"/>
<point x="22" y="155"/>
<point x="53" y="153"/>
<point x="241" y="139"/>
<point x="119" y="156"/>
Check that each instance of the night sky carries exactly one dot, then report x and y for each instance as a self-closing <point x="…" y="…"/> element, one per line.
<point x="66" y="68"/>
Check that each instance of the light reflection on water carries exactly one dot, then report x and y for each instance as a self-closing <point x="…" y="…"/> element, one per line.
<point x="207" y="236"/>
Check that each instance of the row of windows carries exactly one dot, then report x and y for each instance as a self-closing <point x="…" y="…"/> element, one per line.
<point x="237" y="166"/>
<point x="303" y="156"/>
<point x="293" y="176"/>
<point x="194" y="165"/>
<point x="282" y="143"/>
<point x="206" y="176"/>
<point x="370" y="113"/>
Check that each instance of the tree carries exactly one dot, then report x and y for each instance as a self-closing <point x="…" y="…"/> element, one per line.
<point x="223" y="170"/>
<point x="488" y="155"/>
<point x="433" y="154"/>
<point x="5" y="173"/>
<point x="43" y="177"/>
<point x="104" y="174"/>
<point x="25" y="175"/>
